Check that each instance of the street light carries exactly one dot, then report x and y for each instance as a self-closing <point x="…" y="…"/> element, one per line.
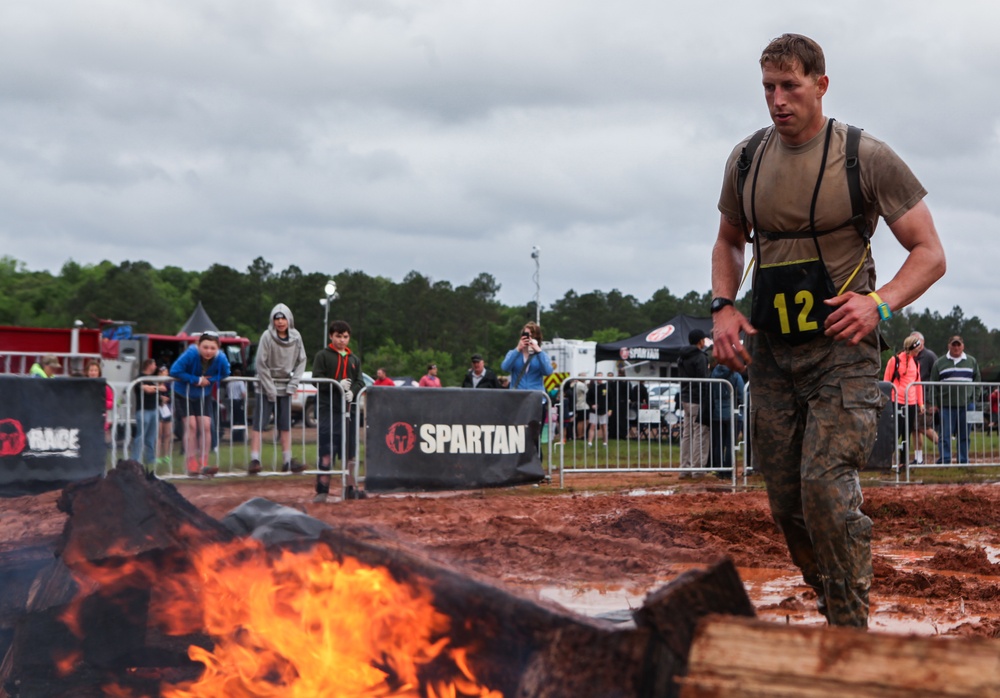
<point x="331" y="294"/>
<point x="536" y="253"/>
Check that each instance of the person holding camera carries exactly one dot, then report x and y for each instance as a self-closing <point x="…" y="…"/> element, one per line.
<point x="526" y="363"/>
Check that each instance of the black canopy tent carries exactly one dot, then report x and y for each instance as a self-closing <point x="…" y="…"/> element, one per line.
<point x="661" y="344"/>
<point x="198" y="322"/>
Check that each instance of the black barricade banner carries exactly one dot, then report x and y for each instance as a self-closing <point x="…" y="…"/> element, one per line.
<point x="885" y="439"/>
<point x="449" y="438"/>
<point x="51" y="433"/>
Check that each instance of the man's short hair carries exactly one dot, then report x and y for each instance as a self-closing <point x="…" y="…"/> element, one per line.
<point x="340" y="327"/>
<point x="789" y="49"/>
<point x="696" y="335"/>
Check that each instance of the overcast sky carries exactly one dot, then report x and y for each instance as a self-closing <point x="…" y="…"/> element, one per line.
<point x="450" y="136"/>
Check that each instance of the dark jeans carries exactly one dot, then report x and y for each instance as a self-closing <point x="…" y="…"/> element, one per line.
<point x="722" y="445"/>
<point x="953" y="420"/>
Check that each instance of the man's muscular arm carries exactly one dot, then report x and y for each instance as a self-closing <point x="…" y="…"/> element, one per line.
<point x="856" y="315"/>
<point x="727" y="267"/>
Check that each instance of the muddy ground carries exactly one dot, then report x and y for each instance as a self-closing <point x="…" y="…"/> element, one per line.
<point x="605" y="541"/>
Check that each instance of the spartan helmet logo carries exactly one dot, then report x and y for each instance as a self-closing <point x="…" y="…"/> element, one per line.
<point x="12" y="440"/>
<point x="400" y="438"/>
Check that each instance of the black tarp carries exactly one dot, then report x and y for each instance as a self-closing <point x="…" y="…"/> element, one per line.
<point x="449" y="438"/>
<point x="198" y="322"/>
<point x="663" y="343"/>
<point x="51" y="433"/>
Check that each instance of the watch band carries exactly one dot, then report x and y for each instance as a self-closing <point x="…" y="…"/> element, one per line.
<point x="884" y="311"/>
<point x="720" y="303"/>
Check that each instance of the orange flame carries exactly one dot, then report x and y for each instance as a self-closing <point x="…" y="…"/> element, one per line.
<point x="306" y="624"/>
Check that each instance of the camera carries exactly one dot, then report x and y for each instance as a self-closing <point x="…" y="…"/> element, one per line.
<point x="526" y="334"/>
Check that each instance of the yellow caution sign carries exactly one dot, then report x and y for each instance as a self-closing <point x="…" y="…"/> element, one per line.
<point x="554" y="380"/>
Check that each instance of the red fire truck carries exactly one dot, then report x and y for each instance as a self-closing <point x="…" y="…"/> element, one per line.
<point x="120" y="352"/>
<point x="20" y="347"/>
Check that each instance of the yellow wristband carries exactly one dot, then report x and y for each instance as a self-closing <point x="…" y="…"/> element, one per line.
<point x="884" y="311"/>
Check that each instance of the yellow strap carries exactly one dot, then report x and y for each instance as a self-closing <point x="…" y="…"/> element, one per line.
<point x="744" y="279"/>
<point x="854" y="273"/>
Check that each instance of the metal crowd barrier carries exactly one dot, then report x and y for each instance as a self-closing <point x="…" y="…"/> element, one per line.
<point x="231" y="427"/>
<point x="660" y="438"/>
<point x="20" y="362"/>
<point x="961" y="415"/>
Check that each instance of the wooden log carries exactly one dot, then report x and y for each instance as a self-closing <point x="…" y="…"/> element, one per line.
<point x="745" y="658"/>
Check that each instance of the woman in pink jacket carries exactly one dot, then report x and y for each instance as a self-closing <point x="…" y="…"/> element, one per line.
<point x="902" y="370"/>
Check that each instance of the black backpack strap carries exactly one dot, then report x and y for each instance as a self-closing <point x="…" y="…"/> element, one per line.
<point x="742" y="170"/>
<point x="853" y="166"/>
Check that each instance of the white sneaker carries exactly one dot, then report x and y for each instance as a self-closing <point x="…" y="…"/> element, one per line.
<point x="320" y="498"/>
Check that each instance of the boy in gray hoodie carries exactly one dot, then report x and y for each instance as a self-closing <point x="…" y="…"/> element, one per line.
<point x="281" y="360"/>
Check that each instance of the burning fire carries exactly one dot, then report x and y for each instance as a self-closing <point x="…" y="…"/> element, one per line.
<point x="303" y="624"/>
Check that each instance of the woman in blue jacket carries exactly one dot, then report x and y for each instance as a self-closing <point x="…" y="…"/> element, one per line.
<point x="199" y="371"/>
<point x="526" y="363"/>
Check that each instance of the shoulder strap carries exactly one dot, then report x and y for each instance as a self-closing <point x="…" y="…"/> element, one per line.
<point x="524" y="370"/>
<point x="853" y="166"/>
<point x="853" y="170"/>
<point x="742" y="170"/>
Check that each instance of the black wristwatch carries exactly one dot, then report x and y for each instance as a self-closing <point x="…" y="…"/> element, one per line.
<point x="718" y="304"/>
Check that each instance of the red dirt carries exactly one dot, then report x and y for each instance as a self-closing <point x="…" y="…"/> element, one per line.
<point x="935" y="546"/>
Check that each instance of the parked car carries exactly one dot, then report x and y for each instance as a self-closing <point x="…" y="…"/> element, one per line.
<point x="663" y="395"/>
<point x="304" y="400"/>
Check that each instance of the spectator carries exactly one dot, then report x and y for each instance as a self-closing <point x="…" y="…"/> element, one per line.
<point x="382" y="379"/>
<point x="929" y="419"/>
<point x="527" y="363"/>
<point x="695" y="436"/>
<point x="281" y="361"/>
<point x="199" y="370"/>
<point x="568" y="406"/>
<point x="902" y="370"/>
<point x="598" y="407"/>
<point x="618" y="399"/>
<point x="995" y="409"/>
<point x="580" y="388"/>
<point x="94" y="371"/>
<point x="46" y="367"/>
<point x="336" y="361"/>
<point x="723" y="457"/>
<point x="146" y="396"/>
<point x="479" y="376"/>
<point x="925" y="357"/>
<point x="430" y="379"/>
<point x="638" y="399"/>
<point x="958" y="370"/>
<point x="166" y="419"/>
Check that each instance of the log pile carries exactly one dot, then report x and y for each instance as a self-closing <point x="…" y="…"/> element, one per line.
<point x="524" y="648"/>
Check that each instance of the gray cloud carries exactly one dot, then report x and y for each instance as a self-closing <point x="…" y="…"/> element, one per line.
<point x="450" y="137"/>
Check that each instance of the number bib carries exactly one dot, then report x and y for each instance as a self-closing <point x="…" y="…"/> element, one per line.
<point x="788" y="299"/>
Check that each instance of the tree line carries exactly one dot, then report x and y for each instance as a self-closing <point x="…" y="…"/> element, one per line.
<point x="402" y="326"/>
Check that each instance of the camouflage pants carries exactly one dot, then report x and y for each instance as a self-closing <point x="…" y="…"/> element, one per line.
<point x="814" y="414"/>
